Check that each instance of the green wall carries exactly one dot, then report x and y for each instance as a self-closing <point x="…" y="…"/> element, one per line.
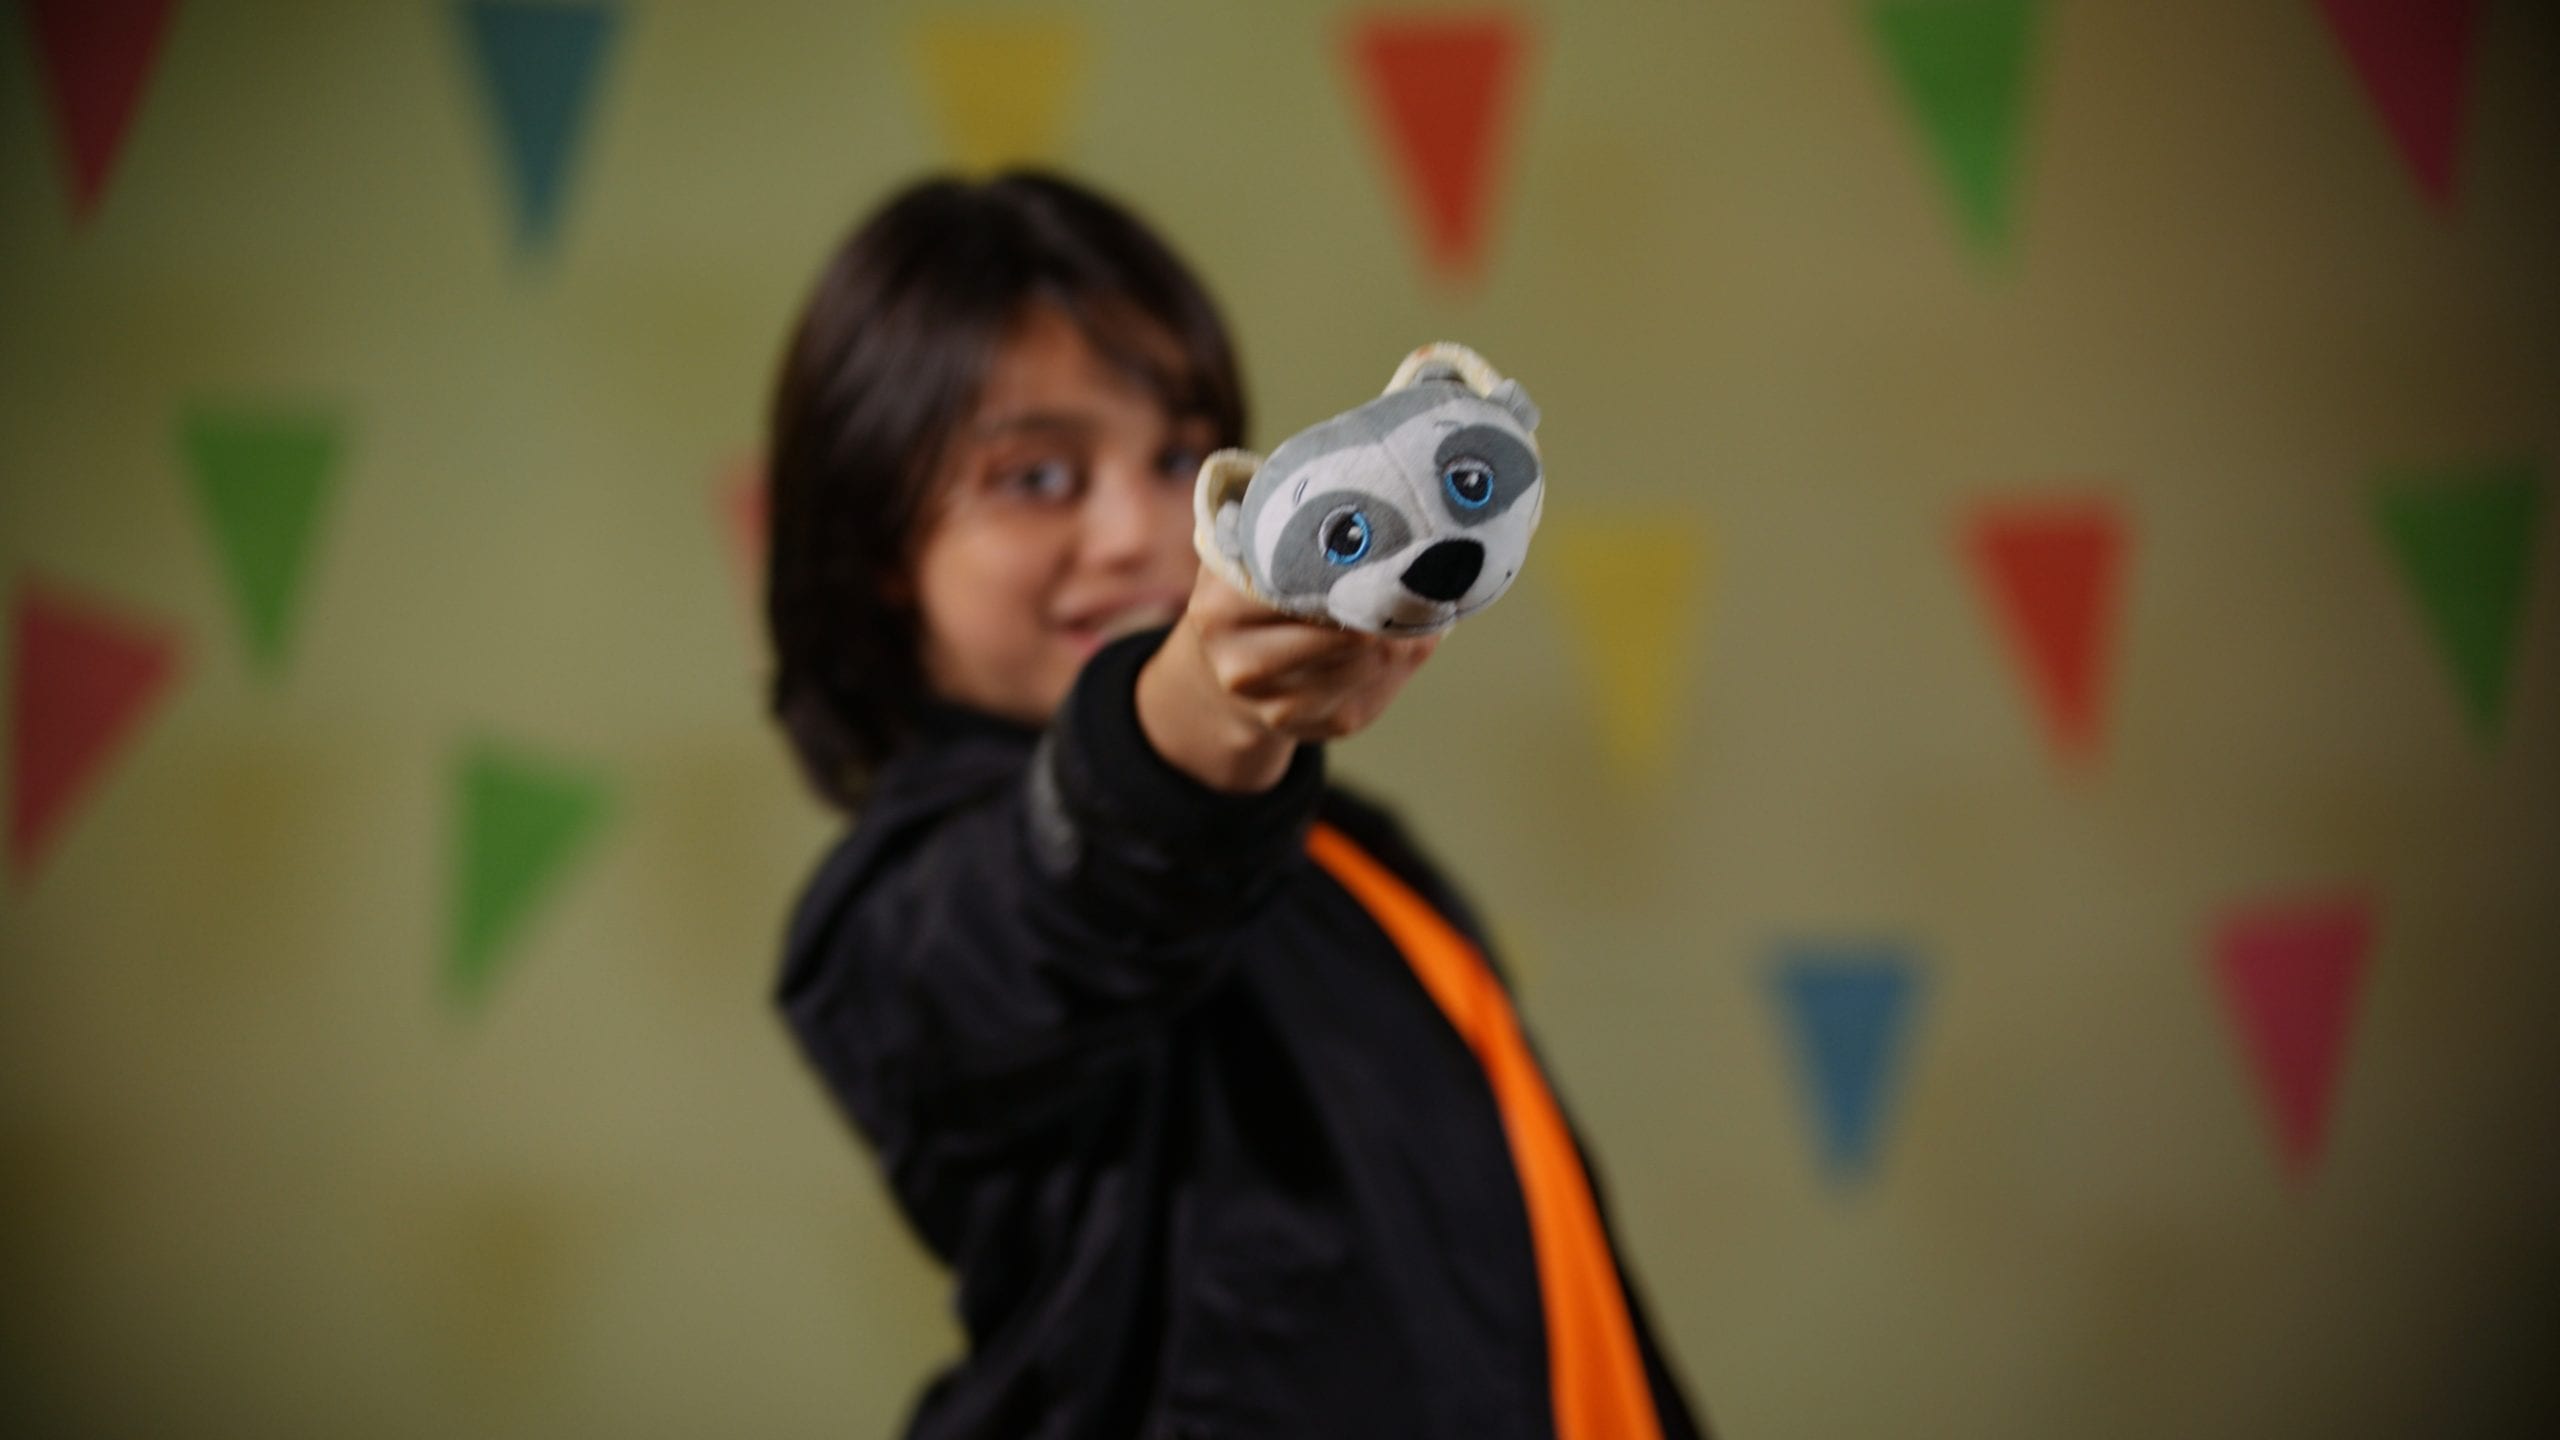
<point x="268" y="1168"/>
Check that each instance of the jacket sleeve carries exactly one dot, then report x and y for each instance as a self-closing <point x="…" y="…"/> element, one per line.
<point x="983" y="964"/>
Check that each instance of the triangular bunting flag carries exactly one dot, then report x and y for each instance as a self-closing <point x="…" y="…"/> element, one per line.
<point x="1634" y="592"/>
<point x="521" y="821"/>
<point x="490" y="1271"/>
<point x="744" y="505"/>
<point x="1848" y="1011"/>
<point x="96" y="56"/>
<point x="2414" y="57"/>
<point x="262" y="478"/>
<point x="84" y="679"/>
<point x="1000" y="84"/>
<point x="2464" y="538"/>
<point x="1441" y="89"/>
<point x="2291" y="973"/>
<point x="539" y="64"/>
<point x="1962" y="67"/>
<point x="2052" y="572"/>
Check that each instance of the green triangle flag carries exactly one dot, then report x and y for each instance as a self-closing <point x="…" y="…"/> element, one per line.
<point x="522" y="820"/>
<point x="1962" y="66"/>
<point x="262" y="476"/>
<point x="2464" y="538"/>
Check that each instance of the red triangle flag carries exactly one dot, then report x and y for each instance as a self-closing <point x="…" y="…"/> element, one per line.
<point x="744" y="505"/>
<point x="1440" y="90"/>
<point x="83" y="679"/>
<point x="2291" y="972"/>
<point x="2051" y="568"/>
<point x="2414" y="57"/>
<point x="95" y="55"/>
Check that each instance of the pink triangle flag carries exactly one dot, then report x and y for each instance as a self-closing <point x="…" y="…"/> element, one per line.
<point x="96" y="56"/>
<point x="84" y="678"/>
<point x="2291" y="971"/>
<point x="2414" y="57"/>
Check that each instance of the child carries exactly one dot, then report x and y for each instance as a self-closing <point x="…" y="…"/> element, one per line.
<point x="1187" y="1065"/>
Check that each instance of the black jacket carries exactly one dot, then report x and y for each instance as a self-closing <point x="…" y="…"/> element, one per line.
<point x="1202" y="1154"/>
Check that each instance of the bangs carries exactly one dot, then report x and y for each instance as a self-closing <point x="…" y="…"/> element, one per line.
<point x="1176" y="352"/>
<point x="1149" y="350"/>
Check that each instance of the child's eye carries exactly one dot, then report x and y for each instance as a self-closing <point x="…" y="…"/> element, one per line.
<point x="1049" y="480"/>
<point x="1181" y="462"/>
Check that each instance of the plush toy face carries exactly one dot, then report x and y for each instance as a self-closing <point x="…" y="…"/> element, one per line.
<point x="1399" y="517"/>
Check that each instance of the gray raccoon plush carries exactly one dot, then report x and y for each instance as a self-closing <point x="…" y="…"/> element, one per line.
<point x="1400" y="517"/>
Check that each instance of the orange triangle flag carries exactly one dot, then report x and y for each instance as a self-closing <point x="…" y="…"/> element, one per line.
<point x="1441" y="89"/>
<point x="2050" y="569"/>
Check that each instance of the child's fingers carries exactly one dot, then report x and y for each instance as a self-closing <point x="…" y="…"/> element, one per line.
<point x="1269" y="660"/>
<point x="1217" y="605"/>
<point x="1308" y="679"/>
<point x="1329" y="699"/>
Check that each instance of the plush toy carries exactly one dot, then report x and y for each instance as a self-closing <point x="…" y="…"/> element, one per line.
<point x="1399" y="517"/>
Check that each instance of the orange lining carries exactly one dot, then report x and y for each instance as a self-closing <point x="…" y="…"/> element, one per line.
<point x="1595" y="1372"/>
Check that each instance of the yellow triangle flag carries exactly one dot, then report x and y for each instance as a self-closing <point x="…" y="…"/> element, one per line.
<point x="1000" y="84"/>
<point x="1632" y="588"/>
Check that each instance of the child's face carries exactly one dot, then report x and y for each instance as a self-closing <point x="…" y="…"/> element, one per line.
<point x="1060" y="518"/>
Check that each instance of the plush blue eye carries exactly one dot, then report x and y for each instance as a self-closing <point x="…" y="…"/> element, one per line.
<point x="1469" y="481"/>
<point x="1346" y="537"/>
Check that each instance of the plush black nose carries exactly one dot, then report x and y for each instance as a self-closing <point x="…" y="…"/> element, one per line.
<point x="1444" y="571"/>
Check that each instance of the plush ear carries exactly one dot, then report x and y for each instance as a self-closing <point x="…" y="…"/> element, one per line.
<point x="1217" y="505"/>
<point x="1511" y="397"/>
<point x="1443" y="360"/>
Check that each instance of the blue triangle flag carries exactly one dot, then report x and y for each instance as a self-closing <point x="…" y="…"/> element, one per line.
<point x="539" y="64"/>
<point x="1849" y="1006"/>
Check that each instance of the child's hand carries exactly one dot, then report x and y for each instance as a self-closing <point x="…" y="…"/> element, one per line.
<point x="1238" y="685"/>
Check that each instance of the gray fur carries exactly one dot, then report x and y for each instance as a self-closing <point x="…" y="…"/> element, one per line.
<point x="1351" y="430"/>
<point x="1391" y="459"/>
<point x="1515" y="469"/>
<point x="1299" y="569"/>
<point x="1511" y="397"/>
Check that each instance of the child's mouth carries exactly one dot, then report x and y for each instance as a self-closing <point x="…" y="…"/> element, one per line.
<point x="1094" y="636"/>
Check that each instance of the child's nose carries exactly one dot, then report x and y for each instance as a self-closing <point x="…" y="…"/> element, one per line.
<point x="1127" y="515"/>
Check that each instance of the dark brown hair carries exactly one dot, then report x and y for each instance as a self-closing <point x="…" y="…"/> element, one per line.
<point x="885" y="363"/>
